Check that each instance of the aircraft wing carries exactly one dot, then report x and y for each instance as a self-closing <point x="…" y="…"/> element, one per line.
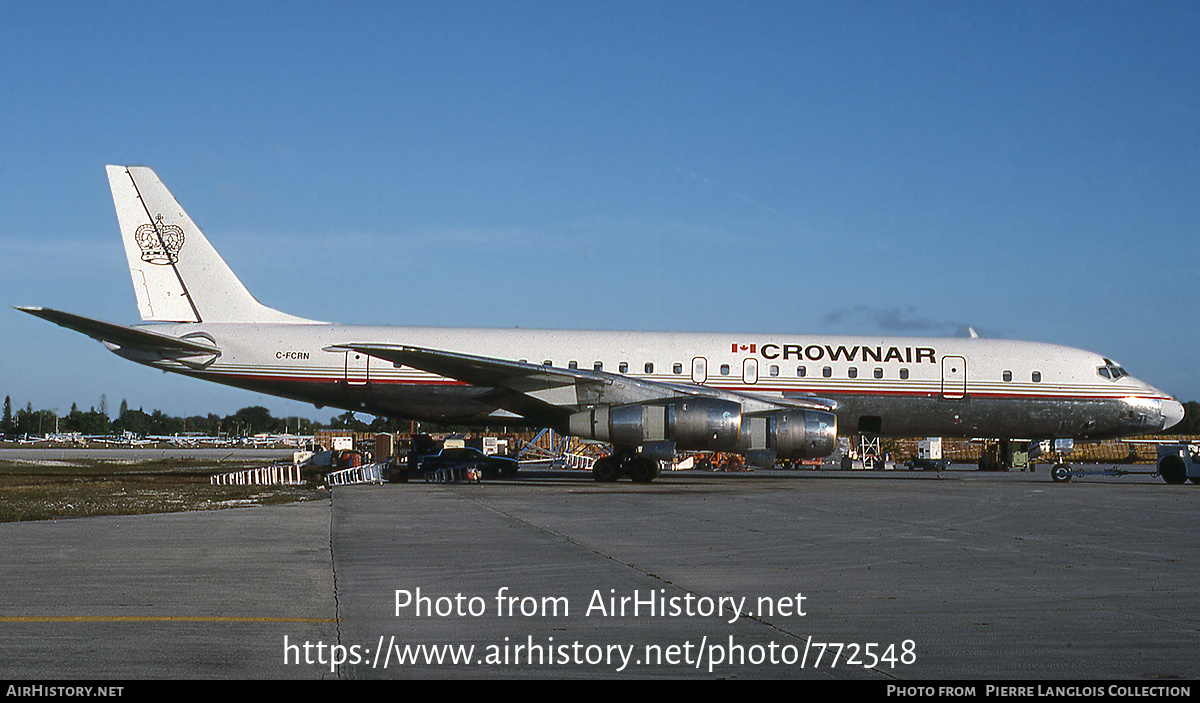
<point x="478" y="370"/>
<point x="126" y="337"/>
<point x="535" y="389"/>
<point x="529" y="390"/>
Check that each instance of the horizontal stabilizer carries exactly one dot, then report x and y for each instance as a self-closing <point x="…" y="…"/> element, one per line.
<point x="125" y="337"/>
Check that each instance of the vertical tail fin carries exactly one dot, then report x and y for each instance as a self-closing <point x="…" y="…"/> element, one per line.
<point x="177" y="275"/>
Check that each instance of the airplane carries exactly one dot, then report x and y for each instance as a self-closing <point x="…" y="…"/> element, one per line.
<point x="766" y="396"/>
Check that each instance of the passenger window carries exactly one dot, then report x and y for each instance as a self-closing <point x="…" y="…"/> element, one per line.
<point x="598" y="366"/>
<point x="878" y="373"/>
<point x="904" y="374"/>
<point x="677" y="368"/>
<point x="1007" y="375"/>
<point x="827" y="372"/>
<point x="724" y="369"/>
<point x="547" y="362"/>
<point x="1037" y="376"/>
<point x="801" y="372"/>
<point x="649" y="367"/>
<point x="623" y="367"/>
<point x="853" y="372"/>
<point x="572" y="364"/>
<point x="774" y="370"/>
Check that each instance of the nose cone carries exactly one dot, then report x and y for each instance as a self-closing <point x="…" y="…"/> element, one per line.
<point x="1143" y="415"/>
<point x="1172" y="413"/>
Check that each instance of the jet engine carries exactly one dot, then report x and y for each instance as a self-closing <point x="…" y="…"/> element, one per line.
<point x="690" y="423"/>
<point x="711" y="424"/>
<point x="788" y="434"/>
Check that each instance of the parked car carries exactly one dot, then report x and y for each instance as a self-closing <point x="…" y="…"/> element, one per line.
<point x="929" y="464"/>
<point x="467" y="457"/>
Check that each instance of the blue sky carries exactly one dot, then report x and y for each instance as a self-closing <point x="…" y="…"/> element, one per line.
<point x="1031" y="169"/>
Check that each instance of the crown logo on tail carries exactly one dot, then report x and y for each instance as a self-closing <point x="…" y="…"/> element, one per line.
<point x="160" y="243"/>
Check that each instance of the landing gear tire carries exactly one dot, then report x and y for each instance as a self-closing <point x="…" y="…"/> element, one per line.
<point x="1061" y="473"/>
<point x="606" y="470"/>
<point x="642" y="469"/>
<point x="1172" y="469"/>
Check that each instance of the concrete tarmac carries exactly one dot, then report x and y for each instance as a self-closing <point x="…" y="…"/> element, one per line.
<point x="957" y="575"/>
<point x="180" y="595"/>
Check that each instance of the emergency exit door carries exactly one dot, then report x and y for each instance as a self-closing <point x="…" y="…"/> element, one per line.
<point x="954" y="377"/>
<point x="356" y="368"/>
<point x="750" y="371"/>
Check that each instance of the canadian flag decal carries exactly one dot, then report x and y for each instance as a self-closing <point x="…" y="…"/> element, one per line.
<point x="742" y="348"/>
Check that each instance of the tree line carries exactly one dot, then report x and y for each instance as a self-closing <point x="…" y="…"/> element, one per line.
<point x="245" y="422"/>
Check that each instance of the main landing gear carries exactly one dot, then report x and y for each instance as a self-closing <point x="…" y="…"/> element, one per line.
<point x="626" y="462"/>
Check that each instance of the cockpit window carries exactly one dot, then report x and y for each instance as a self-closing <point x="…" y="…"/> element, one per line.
<point x="1111" y="370"/>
